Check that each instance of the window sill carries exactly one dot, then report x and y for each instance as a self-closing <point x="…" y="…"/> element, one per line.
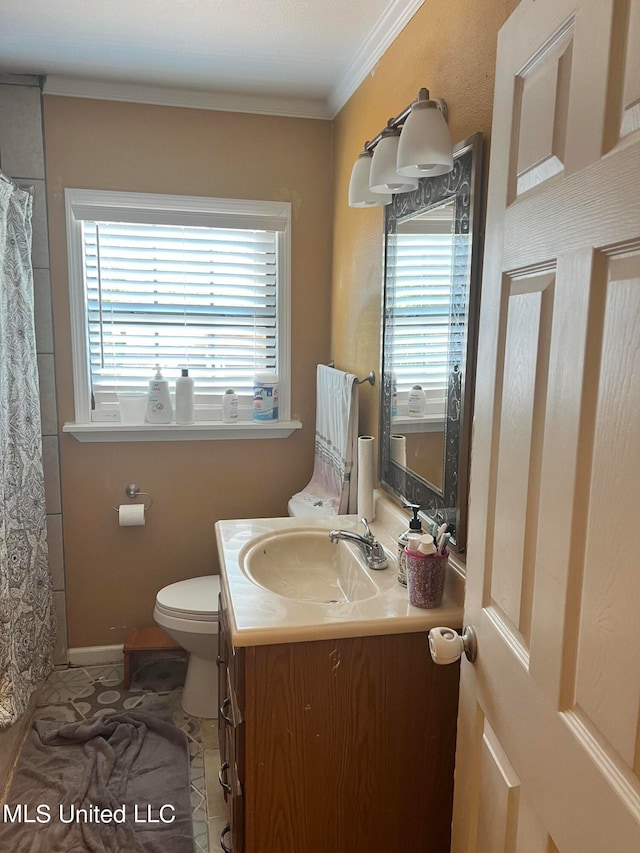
<point x="200" y="431"/>
<point x="426" y="423"/>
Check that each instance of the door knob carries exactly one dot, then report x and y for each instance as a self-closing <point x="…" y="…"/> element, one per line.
<point x="447" y="646"/>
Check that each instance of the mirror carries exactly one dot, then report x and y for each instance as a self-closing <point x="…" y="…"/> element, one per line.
<point x="430" y="313"/>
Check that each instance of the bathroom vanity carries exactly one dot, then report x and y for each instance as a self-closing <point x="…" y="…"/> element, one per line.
<point x="337" y="731"/>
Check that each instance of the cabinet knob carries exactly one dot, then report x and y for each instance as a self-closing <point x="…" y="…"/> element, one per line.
<point x="447" y="646"/>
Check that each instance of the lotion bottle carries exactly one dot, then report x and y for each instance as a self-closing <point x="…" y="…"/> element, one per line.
<point x="416" y="402"/>
<point x="229" y="406"/>
<point x="414" y="529"/>
<point x="184" y="398"/>
<point x="158" y="409"/>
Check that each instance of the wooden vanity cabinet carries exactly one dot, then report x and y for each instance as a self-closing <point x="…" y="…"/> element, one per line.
<point x="337" y="745"/>
<point x="231" y="732"/>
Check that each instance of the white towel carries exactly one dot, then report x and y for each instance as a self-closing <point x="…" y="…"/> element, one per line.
<point x="332" y="489"/>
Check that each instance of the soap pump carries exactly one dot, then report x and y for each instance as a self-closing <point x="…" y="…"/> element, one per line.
<point x="415" y="527"/>
<point x="158" y="409"/>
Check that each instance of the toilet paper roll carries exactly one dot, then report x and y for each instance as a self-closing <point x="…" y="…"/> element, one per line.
<point x="131" y="515"/>
<point x="365" y="477"/>
<point x="399" y="450"/>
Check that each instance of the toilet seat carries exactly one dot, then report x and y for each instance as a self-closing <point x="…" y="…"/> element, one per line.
<point x="194" y="599"/>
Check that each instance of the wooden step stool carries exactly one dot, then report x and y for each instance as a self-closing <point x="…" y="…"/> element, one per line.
<point x="149" y="639"/>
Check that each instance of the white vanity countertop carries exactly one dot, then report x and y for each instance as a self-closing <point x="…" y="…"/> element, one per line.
<point x="261" y="617"/>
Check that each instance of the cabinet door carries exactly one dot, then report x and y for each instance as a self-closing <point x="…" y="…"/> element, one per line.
<point x="223" y="662"/>
<point x="235" y="801"/>
<point x="349" y="747"/>
<point x="231" y="731"/>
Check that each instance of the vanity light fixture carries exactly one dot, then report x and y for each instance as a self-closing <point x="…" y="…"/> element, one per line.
<point x="425" y="147"/>
<point x="359" y="193"/>
<point x="414" y="144"/>
<point x="384" y="178"/>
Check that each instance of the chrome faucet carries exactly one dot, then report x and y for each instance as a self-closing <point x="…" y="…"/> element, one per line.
<point x="372" y="550"/>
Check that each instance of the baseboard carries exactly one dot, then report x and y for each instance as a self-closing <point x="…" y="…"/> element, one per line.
<point x="95" y="655"/>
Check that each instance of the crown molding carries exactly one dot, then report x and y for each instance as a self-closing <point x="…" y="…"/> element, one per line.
<point x="396" y="16"/>
<point x="72" y="87"/>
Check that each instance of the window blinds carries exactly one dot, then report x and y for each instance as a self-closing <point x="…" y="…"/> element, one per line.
<point x="179" y="296"/>
<point x="422" y="272"/>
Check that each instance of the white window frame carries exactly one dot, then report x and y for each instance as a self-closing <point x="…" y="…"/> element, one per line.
<point x="107" y="205"/>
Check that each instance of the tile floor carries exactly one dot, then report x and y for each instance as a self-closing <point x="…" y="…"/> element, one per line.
<point x="82" y="692"/>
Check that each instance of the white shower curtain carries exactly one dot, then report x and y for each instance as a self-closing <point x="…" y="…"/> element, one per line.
<point x="26" y="609"/>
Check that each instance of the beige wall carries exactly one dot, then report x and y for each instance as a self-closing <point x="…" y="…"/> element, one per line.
<point x="449" y="48"/>
<point x="114" y="573"/>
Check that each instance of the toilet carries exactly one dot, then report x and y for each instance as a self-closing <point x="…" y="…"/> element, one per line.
<point x="297" y="507"/>
<point x="188" y="612"/>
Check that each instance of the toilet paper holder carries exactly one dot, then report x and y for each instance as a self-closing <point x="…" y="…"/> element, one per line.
<point x="132" y="491"/>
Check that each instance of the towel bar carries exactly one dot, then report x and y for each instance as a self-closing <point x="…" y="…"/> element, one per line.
<point x="371" y="378"/>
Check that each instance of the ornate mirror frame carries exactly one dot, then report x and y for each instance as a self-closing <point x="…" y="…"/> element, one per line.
<point x="462" y="186"/>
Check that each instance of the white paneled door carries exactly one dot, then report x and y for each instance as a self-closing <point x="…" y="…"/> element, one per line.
<point x="548" y="736"/>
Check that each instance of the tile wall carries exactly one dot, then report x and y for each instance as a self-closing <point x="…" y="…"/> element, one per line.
<point x="22" y="158"/>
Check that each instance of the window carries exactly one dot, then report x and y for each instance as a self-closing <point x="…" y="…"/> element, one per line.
<point x="180" y="282"/>
<point x="423" y="273"/>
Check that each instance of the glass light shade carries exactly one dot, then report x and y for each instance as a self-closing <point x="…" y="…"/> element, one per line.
<point x="425" y="147"/>
<point x="384" y="177"/>
<point x="359" y="193"/>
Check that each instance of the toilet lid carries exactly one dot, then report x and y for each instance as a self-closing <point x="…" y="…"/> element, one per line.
<point x="196" y="596"/>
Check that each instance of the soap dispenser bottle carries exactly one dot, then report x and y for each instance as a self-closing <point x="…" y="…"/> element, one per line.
<point x="158" y="409"/>
<point x="415" y="528"/>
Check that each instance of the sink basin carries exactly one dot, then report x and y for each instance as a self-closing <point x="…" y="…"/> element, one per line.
<point x="303" y="564"/>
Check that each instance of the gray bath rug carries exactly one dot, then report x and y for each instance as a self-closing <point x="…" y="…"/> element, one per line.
<point x="118" y="783"/>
